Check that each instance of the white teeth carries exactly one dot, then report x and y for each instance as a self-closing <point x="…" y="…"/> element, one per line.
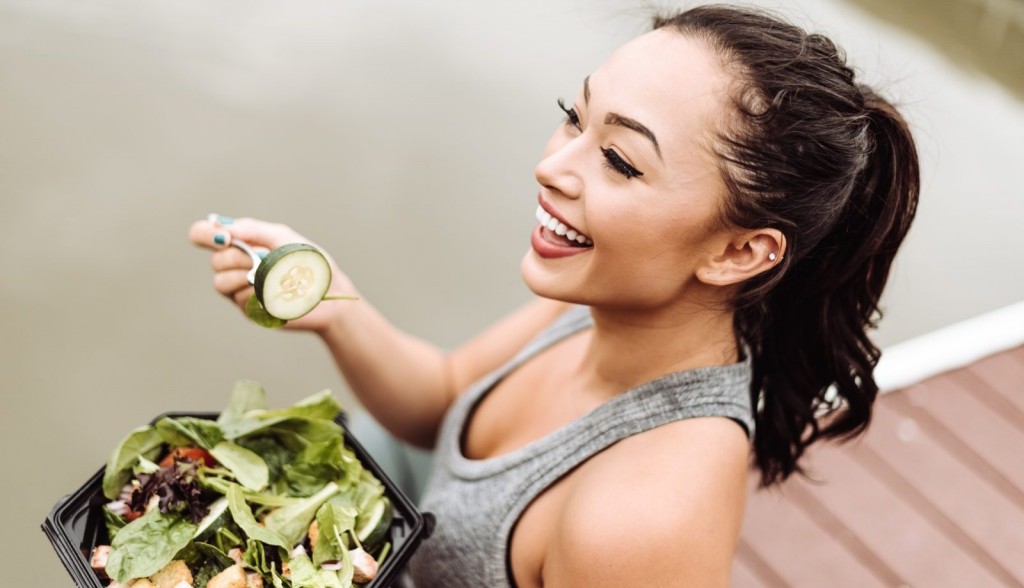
<point x="559" y="228"/>
<point x="543" y="216"/>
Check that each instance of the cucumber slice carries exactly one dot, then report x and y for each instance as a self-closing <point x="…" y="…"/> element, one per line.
<point x="216" y="518"/>
<point x="291" y="280"/>
<point x="373" y="525"/>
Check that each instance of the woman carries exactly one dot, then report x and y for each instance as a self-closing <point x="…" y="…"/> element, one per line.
<point x="718" y="215"/>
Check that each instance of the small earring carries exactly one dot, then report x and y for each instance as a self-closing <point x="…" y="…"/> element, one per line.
<point x="772" y="256"/>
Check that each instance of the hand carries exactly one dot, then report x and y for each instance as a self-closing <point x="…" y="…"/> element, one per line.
<point x="230" y="264"/>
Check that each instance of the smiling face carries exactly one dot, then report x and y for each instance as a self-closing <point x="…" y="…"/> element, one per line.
<point x="632" y="174"/>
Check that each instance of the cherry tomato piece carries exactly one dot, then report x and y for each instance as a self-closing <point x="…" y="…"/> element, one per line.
<point x="196" y="454"/>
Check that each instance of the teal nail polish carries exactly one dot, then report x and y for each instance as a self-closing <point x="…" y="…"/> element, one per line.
<point x="263" y="254"/>
<point x="220" y="238"/>
<point x="225" y="220"/>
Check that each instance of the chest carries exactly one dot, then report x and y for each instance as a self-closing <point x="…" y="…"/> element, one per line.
<point x="528" y="404"/>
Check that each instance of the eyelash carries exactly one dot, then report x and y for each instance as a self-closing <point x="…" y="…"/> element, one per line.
<point x="612" y="160"/>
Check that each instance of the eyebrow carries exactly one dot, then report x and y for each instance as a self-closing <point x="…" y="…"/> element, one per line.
<point x="623" y="121"/>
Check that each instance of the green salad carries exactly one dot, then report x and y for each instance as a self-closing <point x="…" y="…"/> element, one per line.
<point x="257" y="498"/>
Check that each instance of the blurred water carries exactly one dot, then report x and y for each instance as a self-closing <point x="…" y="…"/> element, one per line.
<point x="402" y="137"/>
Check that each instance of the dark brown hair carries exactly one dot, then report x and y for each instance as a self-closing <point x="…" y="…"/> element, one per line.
<point x="822" y="158"/>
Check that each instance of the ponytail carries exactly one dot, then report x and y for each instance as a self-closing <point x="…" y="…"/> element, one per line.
<point x="832" y="166"/>
<point x="815" y="355"/>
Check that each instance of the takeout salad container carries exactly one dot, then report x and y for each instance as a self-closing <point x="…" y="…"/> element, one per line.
<point x="75" y="524"/>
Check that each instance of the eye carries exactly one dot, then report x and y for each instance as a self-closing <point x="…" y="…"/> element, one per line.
<point x="571" y="118"/>
<point x="614" y="161"/>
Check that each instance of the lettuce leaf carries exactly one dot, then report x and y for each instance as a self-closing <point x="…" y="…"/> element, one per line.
<point x="248" y="468"/>
<point x="114" y="523"/>
<point x="306" y="575"/>
<point x="318" y="407"/>
<point x="243" y="516"/>
<point x="190" y="431"/>
<point x="142" y="442"/>
<point x="147" y="544"/>
<point x="332" y="523"/>
<point x="292" y="521"/>
<point x="247" y="396"/>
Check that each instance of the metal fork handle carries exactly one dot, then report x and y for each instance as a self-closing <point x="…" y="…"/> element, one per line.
<point x="256" y="259"/>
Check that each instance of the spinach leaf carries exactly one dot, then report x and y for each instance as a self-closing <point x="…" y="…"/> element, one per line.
<point x="306" y="479"/>
<point x="259" y="315"/>
<point x="318" y="407"/>
<point x="276" y="578"/>
<point x="247" y="396"/>
<point x="114" y="523"/>
<point x="205" y="561"/>
<point x="311" y="430"/>
<point x="293" y="521"/>
<point x="243" y="516"/>
<point x="147" y="544"/>
<point x="225" y="538"/>
<point x="190" y="431"/>
<point x="142" y="442"/>
<point x="332" y="523"/>
<point x="367" y="490"/>
<point x="248" y="468"/>
<point x="273" y="452"/>
<point x="255" y="557"/>
<point x="304" y="573"/>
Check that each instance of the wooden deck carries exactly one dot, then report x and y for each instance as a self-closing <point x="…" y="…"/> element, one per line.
<point x="932" y="496"/>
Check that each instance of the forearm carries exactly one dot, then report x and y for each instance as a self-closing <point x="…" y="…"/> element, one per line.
<point x="408" y="384"/>
<point x="403" y="381"/>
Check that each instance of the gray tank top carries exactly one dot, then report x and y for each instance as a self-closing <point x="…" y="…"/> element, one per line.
<point x="478" y="502"/>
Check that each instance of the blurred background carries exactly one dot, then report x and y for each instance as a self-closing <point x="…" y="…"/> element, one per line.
<point x="402" y="137"/>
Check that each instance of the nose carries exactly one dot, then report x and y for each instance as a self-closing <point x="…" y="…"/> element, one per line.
<point x="559" y="169"/>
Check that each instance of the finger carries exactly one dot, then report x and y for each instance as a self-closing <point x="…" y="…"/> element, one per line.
<point x="233" y="258"/>
<point x="230" y="282"/>
<point x="203" y="233"/>
<point x="242" y="296"/>
<point x="263" y="234"/>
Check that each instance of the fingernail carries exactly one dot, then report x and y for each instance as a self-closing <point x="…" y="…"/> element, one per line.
<point x="263" y="254"/>
<point x="219" y="219"/>
<point x="220" y="239"/>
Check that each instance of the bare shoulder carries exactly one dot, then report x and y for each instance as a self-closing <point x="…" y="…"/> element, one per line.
<point x="662" y="508"/>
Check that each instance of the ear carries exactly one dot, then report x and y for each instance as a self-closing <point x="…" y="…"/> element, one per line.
<point x="743" y="256"/>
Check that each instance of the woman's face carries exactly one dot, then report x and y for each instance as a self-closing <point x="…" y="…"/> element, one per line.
<point x="650" y="109"/>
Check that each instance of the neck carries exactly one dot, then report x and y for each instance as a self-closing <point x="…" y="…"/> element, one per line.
<point x="629" y="347"/>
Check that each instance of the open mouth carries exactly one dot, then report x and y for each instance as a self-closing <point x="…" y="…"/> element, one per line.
<point x="556" y="232"/>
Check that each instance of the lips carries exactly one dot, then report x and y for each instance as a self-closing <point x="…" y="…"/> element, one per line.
<point x="555" y="237"/>
<point x="561" y="228"/>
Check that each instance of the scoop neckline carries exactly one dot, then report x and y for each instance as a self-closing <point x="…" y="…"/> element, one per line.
<point x="479" y="468"/>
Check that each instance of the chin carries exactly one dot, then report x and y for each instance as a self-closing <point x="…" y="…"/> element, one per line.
<point x="546" y="283"/>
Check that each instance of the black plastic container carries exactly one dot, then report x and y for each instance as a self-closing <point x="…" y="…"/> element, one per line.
<point x="75" y="524"/>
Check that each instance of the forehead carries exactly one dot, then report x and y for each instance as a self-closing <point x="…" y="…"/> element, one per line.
<point x="672" y="83"/>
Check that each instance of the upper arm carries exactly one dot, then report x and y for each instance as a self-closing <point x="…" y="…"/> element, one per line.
<point x="499" y="343"/>
<point x="665" y="523"/>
